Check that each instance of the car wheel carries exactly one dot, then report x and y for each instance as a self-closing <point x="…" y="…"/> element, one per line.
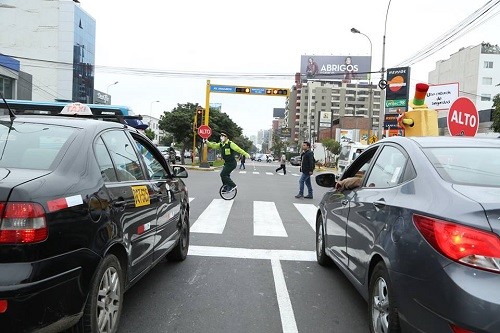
<point x="321" y="255"/>
<point x="381" y="308"/>
<point x="104" y="302"/>
<point x="180" y="251"/>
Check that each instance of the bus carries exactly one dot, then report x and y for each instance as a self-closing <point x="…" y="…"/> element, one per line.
<point x="32" y="107"/>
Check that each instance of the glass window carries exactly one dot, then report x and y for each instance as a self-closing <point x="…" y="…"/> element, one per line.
<point x="154" y="168"/>
<point x="388" y="168"/>
<point x="108" y="172"/>
<point x="485" y="97"/>
<point x="469" y="166"/>
<point x="31" y="146"/>
<point x="488" y="64"/>
<point x="124" y="156"/>
<point x="487" y="81"/>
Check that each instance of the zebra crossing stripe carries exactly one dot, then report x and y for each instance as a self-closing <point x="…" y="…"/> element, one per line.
<point x="266" y="220"/>
<point x="308" y="212"/>
<point x="255" y="172"/>
<point x="243" y="172"/>
<point x="269" y="173"/>
<point x="214" y="217"/>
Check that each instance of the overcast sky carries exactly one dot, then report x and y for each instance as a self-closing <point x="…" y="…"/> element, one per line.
<point x="259" y="37"/>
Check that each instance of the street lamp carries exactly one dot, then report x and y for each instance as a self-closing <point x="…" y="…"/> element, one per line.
<point x="151" y="109"/>
<point x="370" y="109"/>
<point x="112" y="84"/>
<point x="382" y="84"/>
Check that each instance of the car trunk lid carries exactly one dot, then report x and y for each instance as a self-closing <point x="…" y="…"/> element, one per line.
<point x="488" y="198"/>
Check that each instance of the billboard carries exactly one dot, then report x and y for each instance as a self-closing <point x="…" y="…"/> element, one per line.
<point x="398" y="88"/>
<point x="315" y="67"/>
<point x="325" y="119"/>
<point x="441" y="96"/>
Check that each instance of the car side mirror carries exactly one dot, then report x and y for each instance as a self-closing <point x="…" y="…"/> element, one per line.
<point x="180" y="171"/>
<point x="326" y="179"/>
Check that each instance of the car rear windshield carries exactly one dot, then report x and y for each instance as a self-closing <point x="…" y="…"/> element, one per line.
<point x="465" y="165"/>
<point x="31" y="146"/>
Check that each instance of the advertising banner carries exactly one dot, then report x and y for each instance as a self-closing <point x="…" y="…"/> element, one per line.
<point x="441" y="96"/>
<point x="325" y="119"/>
<point x="398" y="87"/>
<point x="315" y="67"/>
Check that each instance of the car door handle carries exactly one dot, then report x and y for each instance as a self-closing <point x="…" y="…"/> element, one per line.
<point x="379" y="203"/>
<point x="119" y="203"/>
<point x="344" y="202"/>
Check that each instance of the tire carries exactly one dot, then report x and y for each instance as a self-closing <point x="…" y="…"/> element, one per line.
<point x="180" y="251"/>
<point x="321" y="256"/>
<point x="382" y="312"/>
<point x="106" y="291"/>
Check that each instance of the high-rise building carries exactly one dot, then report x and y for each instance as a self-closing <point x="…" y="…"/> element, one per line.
<point x="316" y="108"/>
<point x="54" y="41"/>
<point x="476" y="69"/>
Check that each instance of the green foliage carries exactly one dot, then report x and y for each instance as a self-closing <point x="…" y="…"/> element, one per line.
<point x="496" y="114"/>
<point x="149" y="133"/>
<point x="178" y="124"/>
<point x="332" y="146"/>
<point x="279" y="147"/>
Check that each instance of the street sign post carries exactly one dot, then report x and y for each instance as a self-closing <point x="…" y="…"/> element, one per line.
<point x="463" y="118"/>
<point x="204" y="131"/>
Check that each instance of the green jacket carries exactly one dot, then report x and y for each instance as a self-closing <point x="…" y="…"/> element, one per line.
<point x="228" y="150"/>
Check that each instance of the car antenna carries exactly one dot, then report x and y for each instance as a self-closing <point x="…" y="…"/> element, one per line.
<point x="11" y="113"/>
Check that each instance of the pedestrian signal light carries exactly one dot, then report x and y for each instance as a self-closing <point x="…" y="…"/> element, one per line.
<point x="243" y="90"/>
<point x="277" y="92"/>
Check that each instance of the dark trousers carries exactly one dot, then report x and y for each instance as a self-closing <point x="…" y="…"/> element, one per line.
<point x="282" y="166"/>
<point x="226" y="172"/>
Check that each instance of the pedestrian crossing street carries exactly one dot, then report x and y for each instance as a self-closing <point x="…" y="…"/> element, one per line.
<point x="266" y="218"/>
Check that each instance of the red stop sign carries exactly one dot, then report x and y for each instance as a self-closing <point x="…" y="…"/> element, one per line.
<point x="204" y="131"/>
<point x="463" y="118"/>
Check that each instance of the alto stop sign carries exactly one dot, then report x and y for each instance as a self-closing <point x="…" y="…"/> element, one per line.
<point x="463" y="118"/>
<point x="204" y="131"/>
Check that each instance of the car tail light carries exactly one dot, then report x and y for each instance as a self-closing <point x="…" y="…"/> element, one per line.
<point x="3" y="305"/>
<point x="22" y="222"/>
<point x="469" y="246"/>
<point x="457" y="329"/>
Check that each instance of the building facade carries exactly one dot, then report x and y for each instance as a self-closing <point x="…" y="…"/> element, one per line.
<point x="54" y="42"/>
<point x="477" y="71"/>
<point x="316" y="108"/>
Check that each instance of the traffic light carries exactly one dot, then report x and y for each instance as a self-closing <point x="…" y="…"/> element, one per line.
<point x="243" y="90"/>
<point x="421" y="121"/>
<point x="277" y="92"/>
<point x="198" y="117"/>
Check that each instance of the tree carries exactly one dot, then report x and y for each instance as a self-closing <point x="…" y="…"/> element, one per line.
<point x="179" y="123"/>
<point x="149" y="133"/>
<point x="332" y="146"/>
<point x="279" y="147"/>
<point x="496" y="114"/>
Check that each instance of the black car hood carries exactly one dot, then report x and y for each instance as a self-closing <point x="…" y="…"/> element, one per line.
<point x="10" y="178"/>
<point x="489" y="198"/>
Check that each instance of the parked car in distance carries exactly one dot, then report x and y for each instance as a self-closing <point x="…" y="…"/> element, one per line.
<point x="295" y="160"/>
<point x="419" y="238"/>
<point x="87" y="208"/>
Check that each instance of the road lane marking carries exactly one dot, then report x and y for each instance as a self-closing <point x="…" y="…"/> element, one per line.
<point x="243" y="172"/>
<point x="255" y="172"/>
<point x="308" y="212"/>
<point x="242" y="253"/>
<point x="270" y="173"/>
<point x="266" y="220"/>
<point x="214" y="217"/>
<point x="288" y="322"/>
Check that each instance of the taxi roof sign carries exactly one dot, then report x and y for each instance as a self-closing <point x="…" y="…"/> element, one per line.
<point x="76" y="109"/>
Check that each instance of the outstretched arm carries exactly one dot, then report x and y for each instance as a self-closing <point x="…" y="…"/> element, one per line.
<point x="212" y="145"/>
<point x="237" y="149"/>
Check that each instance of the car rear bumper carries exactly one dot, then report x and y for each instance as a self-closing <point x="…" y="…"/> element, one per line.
<point x="458" y="294"/>
<point x="41" y="301"/>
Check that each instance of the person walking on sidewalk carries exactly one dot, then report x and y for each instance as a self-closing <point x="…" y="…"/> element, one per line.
<point x="228" y="150"/>
<point x="306" y="167"/>
<point x="242" y="161"/>
<point x="282" y="164"/>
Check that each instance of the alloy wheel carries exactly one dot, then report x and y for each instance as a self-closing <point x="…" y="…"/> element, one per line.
<point x="380" y="307"/>
<point x="108" y="301"/>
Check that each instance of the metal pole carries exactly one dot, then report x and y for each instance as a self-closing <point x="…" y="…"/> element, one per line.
<point x="382" y="79"/>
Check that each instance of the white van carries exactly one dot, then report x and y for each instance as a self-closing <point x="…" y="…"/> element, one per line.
<point x="348" y="152"/>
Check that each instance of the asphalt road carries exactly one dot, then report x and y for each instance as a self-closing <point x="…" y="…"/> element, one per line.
<point x="251" y="265"/>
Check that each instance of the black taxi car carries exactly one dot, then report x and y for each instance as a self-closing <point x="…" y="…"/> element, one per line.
<point x="87" y="208"/>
